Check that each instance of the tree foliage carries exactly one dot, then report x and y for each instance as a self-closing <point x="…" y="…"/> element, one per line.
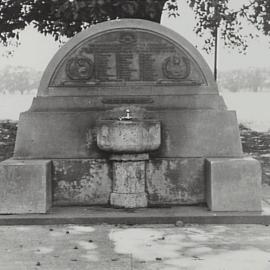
<point x="68" y="17"/>
<point x="217" y="14"/>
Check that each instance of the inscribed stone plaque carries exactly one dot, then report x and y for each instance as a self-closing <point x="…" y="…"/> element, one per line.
<point x="127" y="56"/>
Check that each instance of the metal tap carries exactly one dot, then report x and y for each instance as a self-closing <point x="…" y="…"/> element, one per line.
<point x="127" y="116"/>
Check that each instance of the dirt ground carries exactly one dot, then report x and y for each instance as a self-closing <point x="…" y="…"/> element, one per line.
<point x="256" y="144"/>
<point x="153" y="247"/>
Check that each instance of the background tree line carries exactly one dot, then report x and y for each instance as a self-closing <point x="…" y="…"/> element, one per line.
<point x="24" y="80"/>
<point x="251" y="79"/>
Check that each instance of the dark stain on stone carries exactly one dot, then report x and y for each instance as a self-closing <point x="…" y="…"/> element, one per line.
<point x="173" y="175"/>
<point x="182" y="181"/>
<point x="81" y="182"/>
<point x="157" y="163"/>
<point x="154" y="197"/>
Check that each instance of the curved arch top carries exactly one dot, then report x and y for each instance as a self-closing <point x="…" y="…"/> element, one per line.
<point x="132" y="52"/>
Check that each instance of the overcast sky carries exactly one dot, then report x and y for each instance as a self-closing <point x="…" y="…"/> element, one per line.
<point x="36" y="50"/>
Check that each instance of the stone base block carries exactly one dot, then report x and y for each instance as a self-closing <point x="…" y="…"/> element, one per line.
<point x="173" y="181"/>
<point x="25" y="186"/>
<point x="81" y="182"/>
<point x="176" y="181"/>
<point x="233" y="184"/>
<point x="134" y="200"/>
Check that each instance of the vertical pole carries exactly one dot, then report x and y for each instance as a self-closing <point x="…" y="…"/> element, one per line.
<point x="216" y="53"/>
<point x="216" y="39"/>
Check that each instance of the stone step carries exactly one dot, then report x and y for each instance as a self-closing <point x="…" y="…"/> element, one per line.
<point x="169" y="215"/>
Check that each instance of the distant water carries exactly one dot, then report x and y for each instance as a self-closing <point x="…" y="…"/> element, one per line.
<point x="253" y="109"/>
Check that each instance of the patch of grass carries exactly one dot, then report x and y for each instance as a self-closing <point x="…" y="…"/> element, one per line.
<point x="8" y="132"/>
<point x="257" y="145"/>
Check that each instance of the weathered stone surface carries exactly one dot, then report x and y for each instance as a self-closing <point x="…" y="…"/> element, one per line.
<point x="160" y="99"/>
<point x="176" y="181"/>
<point x="129" y="157"/>
<point x="104" y="49"/>
<point x="81" y="182"/>
<point x="233" y="184"/>
<point x="185" y="133"/>
<point x="25" y="186"/>
<point x="145" y="56"/>
<point x="134" y="200"/>
<point x="129" y="176"/>
<point x="128" y="184"/>
<point x="56" y="135"/>
<point x="199" y="133"/>
<point x="135" y="136"/>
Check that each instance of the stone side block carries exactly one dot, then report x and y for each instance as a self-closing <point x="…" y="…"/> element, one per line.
<point x="233" y="184"/>
<point x="175" y="181"/>
<point x="199" y="133"/>
<point x="56" y="135"/>
<point x="25" y="186"/>
<point x="134" y="200"/>
<point x="129" y="176"/>
<point x="81" y="182"/>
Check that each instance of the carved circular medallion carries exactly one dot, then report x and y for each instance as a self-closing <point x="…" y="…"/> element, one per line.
<point x="79" y="68"/>
<point x="175" y="67"/>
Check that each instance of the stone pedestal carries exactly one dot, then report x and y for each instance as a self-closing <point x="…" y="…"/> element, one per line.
<point x="25" y="186"/>
<point x="132" y="200"/>
<point x="233" y="184"/>
<point x="129" y="181"/>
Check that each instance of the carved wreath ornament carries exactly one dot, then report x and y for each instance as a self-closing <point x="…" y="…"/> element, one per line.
<point x="176" y="67"/>
<point x="79" y="68"/>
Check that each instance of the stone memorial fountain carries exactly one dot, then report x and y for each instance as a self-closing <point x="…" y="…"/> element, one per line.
<point x="128" y="114"/>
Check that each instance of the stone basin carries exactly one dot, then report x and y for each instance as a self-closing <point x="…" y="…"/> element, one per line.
<point x="128" y="136"/>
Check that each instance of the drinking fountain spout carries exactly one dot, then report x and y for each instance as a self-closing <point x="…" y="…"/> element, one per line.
<point x="127" y="116"/>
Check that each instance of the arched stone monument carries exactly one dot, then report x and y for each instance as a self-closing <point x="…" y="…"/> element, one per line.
<point x="153" y="74"/>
